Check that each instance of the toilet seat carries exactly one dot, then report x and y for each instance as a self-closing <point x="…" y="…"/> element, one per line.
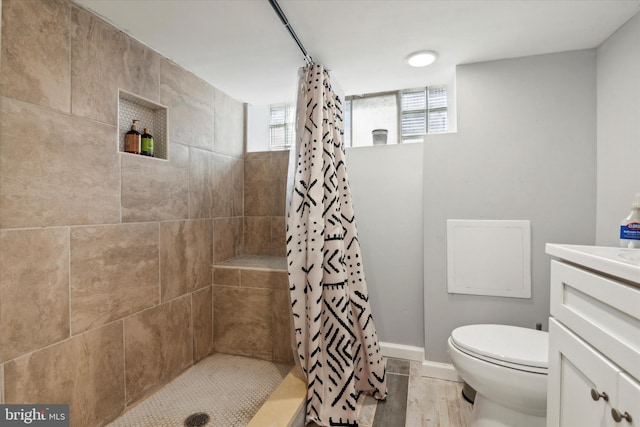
<point x="509" y="346"/>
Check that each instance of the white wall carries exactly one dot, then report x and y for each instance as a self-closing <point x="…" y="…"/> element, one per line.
<point x="386" y="185"/>
<point x="618" y="65"/>
<point x="258" y="118"/>
<point x="525" y="149"/>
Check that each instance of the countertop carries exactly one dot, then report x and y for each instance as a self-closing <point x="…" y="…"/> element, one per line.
<point x="618" y="262"/>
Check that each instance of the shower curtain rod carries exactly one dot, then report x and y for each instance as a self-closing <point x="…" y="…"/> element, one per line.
<point x="283" y="18"/>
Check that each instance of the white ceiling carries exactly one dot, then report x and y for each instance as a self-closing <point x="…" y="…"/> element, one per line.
<point x="242" y="48"/>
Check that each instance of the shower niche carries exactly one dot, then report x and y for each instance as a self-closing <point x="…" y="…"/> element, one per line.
<point x="150" y="115"/>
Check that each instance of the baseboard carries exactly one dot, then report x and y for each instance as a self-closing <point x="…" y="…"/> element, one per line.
<point x="441" y="371"/>
<point x="401" y="351"/>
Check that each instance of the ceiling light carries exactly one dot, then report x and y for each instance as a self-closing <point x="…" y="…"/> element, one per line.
<point x="422" y="58"/>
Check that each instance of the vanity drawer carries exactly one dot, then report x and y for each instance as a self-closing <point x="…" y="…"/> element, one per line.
<point x="601" y="310"/>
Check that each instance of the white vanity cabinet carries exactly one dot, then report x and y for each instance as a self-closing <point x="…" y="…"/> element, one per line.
<point x="594" y="337"/>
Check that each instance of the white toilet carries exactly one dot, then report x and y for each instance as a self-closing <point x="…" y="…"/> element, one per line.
<point x="507" y="366"/>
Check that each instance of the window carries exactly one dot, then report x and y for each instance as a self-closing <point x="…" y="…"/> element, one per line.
<point x="437" y="113"/>
<point x="408" y="115"/>
<point x="369" y="112"/>
<point x="281" y="126"/>
<point x="423" y="111"/>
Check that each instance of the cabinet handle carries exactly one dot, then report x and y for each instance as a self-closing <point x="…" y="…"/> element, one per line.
<point x="596" y="396"/>
<point x="617" y="416"/>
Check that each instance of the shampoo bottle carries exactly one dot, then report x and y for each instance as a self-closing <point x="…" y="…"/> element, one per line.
<point x="132" y="140"/>
<point x="630" y="227"/>
<point x="147" y="143"/>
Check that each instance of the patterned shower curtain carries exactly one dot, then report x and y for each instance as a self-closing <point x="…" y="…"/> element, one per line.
<point x="336" y="339"/>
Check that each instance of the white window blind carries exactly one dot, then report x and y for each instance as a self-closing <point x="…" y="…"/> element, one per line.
<point x="281" y="127"/>
<point x="423" y="111"/>
<point x="437" y="111"/>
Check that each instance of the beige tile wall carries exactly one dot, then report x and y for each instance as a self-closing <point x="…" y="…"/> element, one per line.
<point x="114" y="273"/>
<point x="56" y="168"/>
<point x="202" y="306"/>
<point x="106" y="286"/>
<point x="190" y="101"/>
<point x="227" y="239"/>
<point x="104" y="59"/>
<point x="40" y="284"/>
<point x="251" y="307"/>
<point x="265" y="182"/>
<point x="153" y="190"/>
<point x="27" y="51"/>
<point x="158" y="346"/>
<point x="252" y="316"/>
<point x="86" y="371"/>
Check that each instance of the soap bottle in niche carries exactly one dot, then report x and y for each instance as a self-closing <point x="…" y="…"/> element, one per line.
<point x="630" y="227"/>
<point x="147" y="143"/>
<point x="132" y="140"/>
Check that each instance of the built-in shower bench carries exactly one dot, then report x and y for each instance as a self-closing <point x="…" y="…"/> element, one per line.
<point x="251" y="310"/>
<point x="256" y="262"/>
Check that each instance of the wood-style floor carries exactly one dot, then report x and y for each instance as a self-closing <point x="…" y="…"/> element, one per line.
<point x="416" y="401"/>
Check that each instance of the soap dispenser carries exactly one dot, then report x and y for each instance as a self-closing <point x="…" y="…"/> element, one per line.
<point x="132" y="140"/>
<point x="147" y="143"/>
<point x="630" y="227"/>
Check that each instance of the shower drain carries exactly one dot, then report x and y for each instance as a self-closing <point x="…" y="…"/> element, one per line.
<point x="196" y="420"/>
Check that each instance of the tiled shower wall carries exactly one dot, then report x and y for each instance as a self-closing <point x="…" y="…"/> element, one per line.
<point x="105" y="257"/>
<point x="265" y="182"/>
<point x="251" y="304"/>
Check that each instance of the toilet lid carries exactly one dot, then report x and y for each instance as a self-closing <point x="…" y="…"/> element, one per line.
<point x="512" y="344"/>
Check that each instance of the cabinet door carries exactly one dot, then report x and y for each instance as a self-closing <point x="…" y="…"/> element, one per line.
<point x="628" y="401"/>
<point x="575" y="369"/>
<point x="602" y="311"/>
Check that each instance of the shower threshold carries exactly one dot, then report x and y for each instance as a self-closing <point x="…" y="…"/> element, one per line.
<point x="229" y="389"/>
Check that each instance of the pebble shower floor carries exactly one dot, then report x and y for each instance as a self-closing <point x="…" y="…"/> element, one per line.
<point x="230" y="389"/>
